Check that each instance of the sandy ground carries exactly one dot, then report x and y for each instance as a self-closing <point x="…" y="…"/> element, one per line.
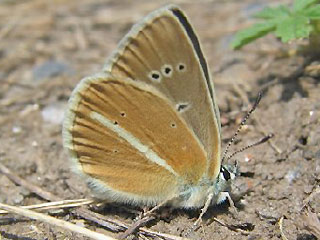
<point x="47" y="47"/>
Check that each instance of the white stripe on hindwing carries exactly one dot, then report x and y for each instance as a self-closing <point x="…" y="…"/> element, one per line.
<point x="132" y="140"/>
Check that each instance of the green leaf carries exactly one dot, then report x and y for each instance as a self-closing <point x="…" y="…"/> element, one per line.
<point x="270" y="13"/>
<point x="293" y="28"/>
<point x="302" y="20"/>
<point x="250" y="34"/>
<point x="299" y="5"/>
<point x="312" y="13"/>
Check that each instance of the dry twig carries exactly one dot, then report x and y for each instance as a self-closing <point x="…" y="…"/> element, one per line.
<point x="280" y="224"/>
<point x="230" y="227"/>
<point x="84" y="212"/>
<point x="56" y="205"/>
<point x="31" y="187"/>
<point x="310" y="197"/>
<point x="54" y="221"/>
<point x="312" y="223"/>
<point x="134" y="227"/>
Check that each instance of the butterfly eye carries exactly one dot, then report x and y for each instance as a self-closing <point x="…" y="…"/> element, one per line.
<point x="226" y="173"/>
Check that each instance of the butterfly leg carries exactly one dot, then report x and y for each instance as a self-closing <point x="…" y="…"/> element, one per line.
<point x="204" y="209"/>
<point x="226" y="196"/>
<point x="147" y="213"/>
<point x="145" y="217"/>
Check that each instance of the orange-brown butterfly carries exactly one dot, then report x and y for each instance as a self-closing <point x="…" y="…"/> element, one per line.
<point x="146" y="130"/>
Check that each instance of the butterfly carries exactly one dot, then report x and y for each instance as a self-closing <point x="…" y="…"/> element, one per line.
<point x="146" y="130"/>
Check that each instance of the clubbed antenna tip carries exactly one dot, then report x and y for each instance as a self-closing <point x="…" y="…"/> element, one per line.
<point x="258" y="99"/>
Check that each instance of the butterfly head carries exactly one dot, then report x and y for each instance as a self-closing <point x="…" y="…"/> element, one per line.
<point x="196" y="196"/>
<point x="228" y="172"/>
<point x="222" y="186"/>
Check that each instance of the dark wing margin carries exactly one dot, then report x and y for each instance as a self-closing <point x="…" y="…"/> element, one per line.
<point x="196" y="44"/>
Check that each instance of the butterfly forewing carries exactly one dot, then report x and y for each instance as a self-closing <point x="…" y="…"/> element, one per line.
<point x="163" y="51"/>
<point x="129" y="138"/>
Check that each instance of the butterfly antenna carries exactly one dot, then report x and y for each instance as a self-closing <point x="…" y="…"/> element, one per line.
<point x="262" y="140"/>
<point x="241" y="125"/>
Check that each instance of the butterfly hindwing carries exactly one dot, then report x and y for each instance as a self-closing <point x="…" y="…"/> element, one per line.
<point x="130" y="141"/>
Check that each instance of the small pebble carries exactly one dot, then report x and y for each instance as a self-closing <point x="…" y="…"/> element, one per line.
<point x="16" y="129"/>
<point x="53" y="113"/>
<point x="51" y="68"/>
<point x="34" y="144"/>
<point x="292" y="175"/>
